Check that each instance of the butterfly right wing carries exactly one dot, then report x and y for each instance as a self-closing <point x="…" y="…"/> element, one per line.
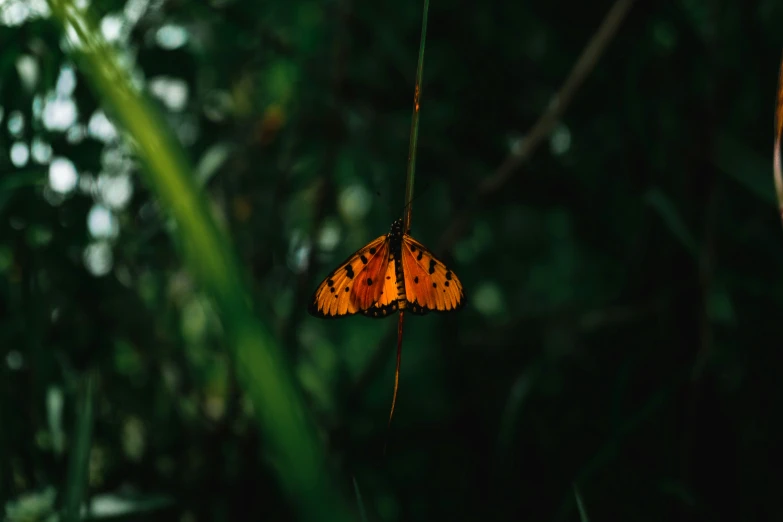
<point x="356" y="285"/>
<point x="430" y="286"/>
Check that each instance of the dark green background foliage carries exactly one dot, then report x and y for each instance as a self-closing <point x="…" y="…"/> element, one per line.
<point x="624" y="286"/>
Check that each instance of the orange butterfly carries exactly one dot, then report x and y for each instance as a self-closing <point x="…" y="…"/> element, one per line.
<point x="393" y="272"/>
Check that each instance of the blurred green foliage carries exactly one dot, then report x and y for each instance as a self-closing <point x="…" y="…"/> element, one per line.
<point x="623" y="295"/>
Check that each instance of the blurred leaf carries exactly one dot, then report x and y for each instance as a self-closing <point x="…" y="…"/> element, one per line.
<point x="33" y="507"/>
<point x="580" y="505"/>
<point x="79" y="458"/>
<point x="661" y="203"/>
<point x="54" y="414"/>
<point x="719" y="306"/>
<point x="359" y="501"/>
<point x="111" y="505"/>
<point x="9" y="183"/>
<point x="744" y="166"/>
<point x="211" y="161"/>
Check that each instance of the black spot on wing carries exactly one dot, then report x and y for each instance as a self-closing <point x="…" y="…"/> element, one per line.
<point x="369" y="281"/>
<point x="432" y="266"/>
<point x="363" y="258"/>
<point x="349" y="271"/>
<point x="421" y="254"/>
<point x="448" y="276"/>
<point x="416" y="279"/>
<point x="417" y="309"/>
<point x="379" y="312"/>
<point x="372" y="250"/>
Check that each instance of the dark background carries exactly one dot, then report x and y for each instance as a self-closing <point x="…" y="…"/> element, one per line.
<point x="624" y="285"/>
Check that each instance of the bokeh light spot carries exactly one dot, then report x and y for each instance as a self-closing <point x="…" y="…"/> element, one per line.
<point x="20" y="154"/>
<point x="112" y="27"/>
<point x="98" y="258"/>
<point x="28" y="70"/>
<point x="62" y="175"/>
<point x="173" y="92"/>
<point x="115" y="190"/>
<point x="354" y="202"/>
<point x="41" y="151"/>
<point x="101" y="128"/>
<point x="59" y="113"/>
<point x="560" y="141"/>
<point x="16" y="123"/>
<point x="14" y="360"/>
<point x="66" y="81"/>
<point x="171" y="36"/>
<point x="102" y="223"/>
<point x="488" y="299"/>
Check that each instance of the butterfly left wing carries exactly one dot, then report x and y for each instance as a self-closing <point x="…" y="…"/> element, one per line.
<point x="387" y="302"/>
<point x="356" y="285"/>
<point x="429" y="284"/>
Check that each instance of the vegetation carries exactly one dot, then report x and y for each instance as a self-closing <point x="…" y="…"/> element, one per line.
<point x="177" y="177"/>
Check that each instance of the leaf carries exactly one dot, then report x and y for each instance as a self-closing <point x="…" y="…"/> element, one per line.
<point x="665" y="208"/>
<point x="359" y="502"/>
<point x="79" y="459"/>
<point x="9" y="183"/>
<point x="211" y="161"/>
<point x="748" y="168"/>
<point x="580" y="506"/>
<point x="110" y="505"/>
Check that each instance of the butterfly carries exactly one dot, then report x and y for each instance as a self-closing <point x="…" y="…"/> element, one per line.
<point x="393" y="272"/>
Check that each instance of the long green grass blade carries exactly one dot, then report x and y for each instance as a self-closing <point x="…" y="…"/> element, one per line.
<point x="289" y="433"/>
<point x="79" y="461"/>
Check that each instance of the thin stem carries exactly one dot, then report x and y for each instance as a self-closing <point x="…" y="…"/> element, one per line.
<point x="411" y="173"/>
<point x="396" y="375"/>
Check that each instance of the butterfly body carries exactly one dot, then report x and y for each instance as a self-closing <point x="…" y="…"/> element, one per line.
<point x="393" y="272"/>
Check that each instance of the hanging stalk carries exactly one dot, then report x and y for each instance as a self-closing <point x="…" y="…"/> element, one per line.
<point x="409" y="179"/>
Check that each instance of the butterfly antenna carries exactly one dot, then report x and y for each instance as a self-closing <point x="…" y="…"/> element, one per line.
<point x="396" y="378"/>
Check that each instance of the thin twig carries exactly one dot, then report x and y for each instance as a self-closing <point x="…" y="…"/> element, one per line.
<point x="524" y="149"/>
<point x="538" y="132"/>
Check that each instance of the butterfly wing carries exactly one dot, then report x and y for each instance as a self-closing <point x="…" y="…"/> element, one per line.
<point x="429" y="284"/>
<point x="387" y="302"/>
<point x="356" y="285"/>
